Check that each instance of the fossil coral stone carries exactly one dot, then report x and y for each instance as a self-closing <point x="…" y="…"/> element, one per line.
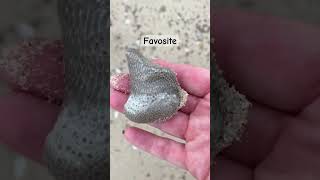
<point x="155" y="94"/>
<point x="76" y="148"/>
<point x="230" y="111"/>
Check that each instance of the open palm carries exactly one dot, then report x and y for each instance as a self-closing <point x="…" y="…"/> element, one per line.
<point x="276" y="64"/>
<point x="191" y="123"/>
<point x="27" y="117"/>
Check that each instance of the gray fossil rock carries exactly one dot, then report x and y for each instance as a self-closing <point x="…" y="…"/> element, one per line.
<point x="77" y="147"/>
<point x="155" y="92"/>
<point x="229" y="111"/>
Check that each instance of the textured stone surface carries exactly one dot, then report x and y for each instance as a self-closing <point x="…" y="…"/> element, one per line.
<point x="155" y="94"/>
<point x="41" y="15"/>
<point x="230" y="111"/>
<point x="189" y="20"/>
<point x="76" y="149"/>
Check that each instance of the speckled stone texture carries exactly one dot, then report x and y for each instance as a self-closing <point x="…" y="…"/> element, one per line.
<point x="189" y="20"/>
<point x="77" y="147"/>
<point x="155" y="92"/>
<point x="41" y="16"/>
<point x="229" y="113"/>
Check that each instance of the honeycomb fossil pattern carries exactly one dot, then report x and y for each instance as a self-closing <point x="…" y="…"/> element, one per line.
<point x="76" y="149"/>
<point x="155" y="92"/>
<point x="230" y="111"/>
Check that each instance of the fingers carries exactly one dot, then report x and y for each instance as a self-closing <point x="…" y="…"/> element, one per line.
<point x="117" y="100"/>
<point x="271" y="60"/>
<point x="263" y="130"/>
<point x="120" y="82"/>
<point x="194" y="80"/>
<point x="25" y="123"/>
<point x="163" y="148"/>
<point x="297" y="152"/>
<point x="35" y="66"/>
<point x="40" y="71"/>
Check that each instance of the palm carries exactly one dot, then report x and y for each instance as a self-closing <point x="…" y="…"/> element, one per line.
<point x="278" y="145"/>
<point x="282" y="139"/>
<point x="191" y="123"/>
<point x="23" y="127"/>
<point x="198" y="140"/>
<point x="27" y="116"/>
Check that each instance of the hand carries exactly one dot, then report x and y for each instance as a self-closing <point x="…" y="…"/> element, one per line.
<point x="26" y="116"/>
<point x="191" y="123"/>
<point x="276" y="64"/>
